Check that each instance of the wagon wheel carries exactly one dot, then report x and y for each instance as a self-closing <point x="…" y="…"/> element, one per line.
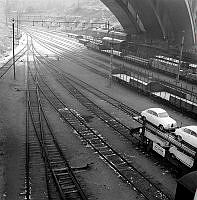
<point x="143" y="118"/>
<point x="179" y="138"/>
<point x="161" y="128"/>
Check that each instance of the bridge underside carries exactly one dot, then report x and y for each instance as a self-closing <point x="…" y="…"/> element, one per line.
<point x="158" y="19"/>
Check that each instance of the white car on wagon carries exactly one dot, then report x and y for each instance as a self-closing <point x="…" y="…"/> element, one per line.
<point x="187" y="134"/>
<point x="160" y="118"/>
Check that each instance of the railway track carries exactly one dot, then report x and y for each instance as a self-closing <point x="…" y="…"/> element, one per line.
<point x="128" y="110"/>
<point x="7" y="66"/>
<point x="191" y="150"/>
<point x="58" y="180"/>
<point x="115" y="160"/>
<point x="130" y="174"/>
<point x="147" y="74"/>
<point x="188" y="149"/>
<point x="91" y="61"/>
<point x="54" y="49"/>
<point x="35" y="176"/>
<point x="64" y="79"/>
<point x="70" y="49"/>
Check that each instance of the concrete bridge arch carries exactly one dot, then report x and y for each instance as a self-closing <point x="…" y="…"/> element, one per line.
<point x="158" y="19"/>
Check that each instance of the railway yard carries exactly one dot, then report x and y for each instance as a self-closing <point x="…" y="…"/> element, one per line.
<point x="71" y="126"/>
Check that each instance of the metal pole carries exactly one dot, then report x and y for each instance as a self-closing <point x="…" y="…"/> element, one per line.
<point x="110" y="73"/>
<point x="180" y="58"/>
<point x="13" y="48"/>
<point x="111" y="61"/>
<point x="17" y="24"/>
<point x="19" y="18"/>
<point x="108" y="25"/>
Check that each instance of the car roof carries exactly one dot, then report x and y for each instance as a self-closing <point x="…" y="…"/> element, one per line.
<point x="193" y="128"/>
<point x="157" y="110"/>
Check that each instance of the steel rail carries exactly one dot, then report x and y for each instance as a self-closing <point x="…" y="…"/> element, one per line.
<point x="49" y="47"/>
<point x="10" y="60"/>
<point x="37" y="118"/>
<point x="94" y="109"/>
<point x="90" y="60"/>
<point x="27" y="160"/>
<point x="156" y="79"/>
<point x="188" y="149"/>
<point x="111" y="156"/>
<point x="36" y="162"/>
<point x="4" y="69"/>
<point x="58" y="165"/>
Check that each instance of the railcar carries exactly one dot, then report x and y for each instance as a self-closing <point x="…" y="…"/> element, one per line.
<point x="87" y="37"/>
<point x="118" y="35"/>
<point x="83" y="41"/>
<point x="170" y="65"/>
<point x="112" y="52"/>
<point x="138" y="60"/>
<point x="101" y="33"/>
<point x="116" y="44"/>
<point x="72" y="35"/>
<point x="95" y="45"/>
<point x="164" y="64"/>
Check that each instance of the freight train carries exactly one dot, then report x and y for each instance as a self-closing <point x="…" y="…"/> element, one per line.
<point x="101" y="33"/>
<point x="171" y="66"/>
<point x="164" y="64"/>
<point x="107" y="44"/>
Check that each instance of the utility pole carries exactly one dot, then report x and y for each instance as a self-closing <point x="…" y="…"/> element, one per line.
<point x="111" y="55"/>
<point x="108" y="25"/>
<point x="110" y="73"/>
<point x="180" y="57"/>
<point x="17" y="25"/>
<point x="28" y="50"/>
<point x="13" y="48"/>
<point x="19" y="22"/>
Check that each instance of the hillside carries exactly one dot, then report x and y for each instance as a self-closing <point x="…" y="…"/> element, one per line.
<point x="93" y="11"/>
